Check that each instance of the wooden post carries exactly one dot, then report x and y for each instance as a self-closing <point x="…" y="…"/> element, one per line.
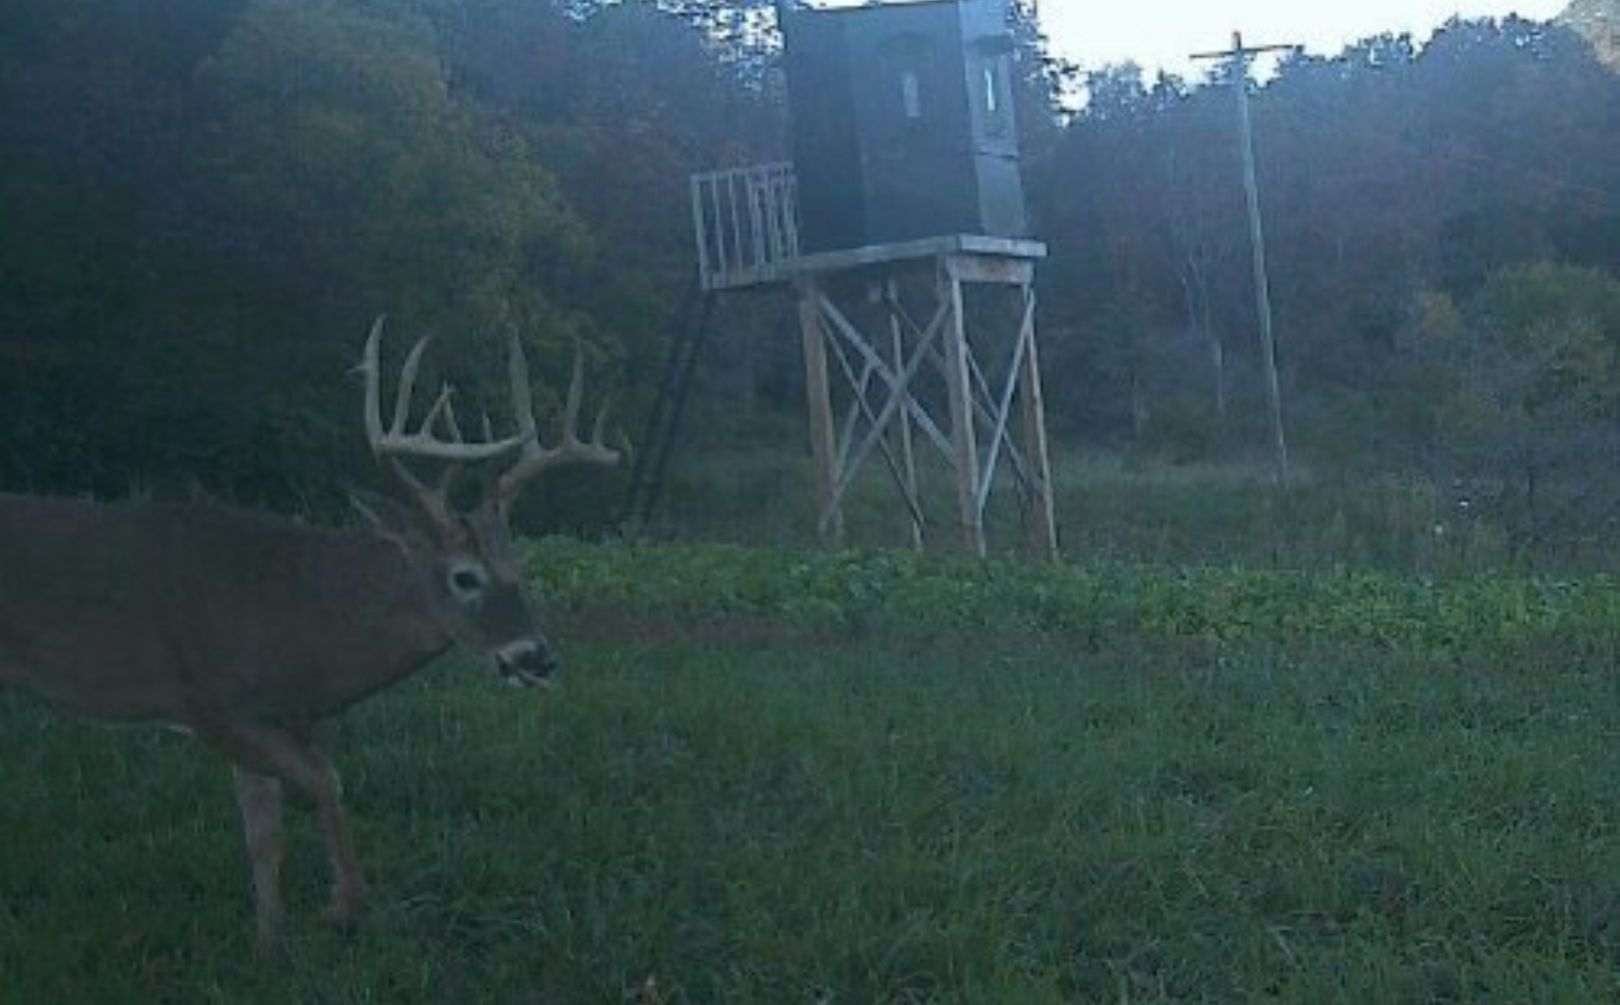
<point x="829" y="515"/>
<point x="1240" y="56"/>
<point x="836" y="350"/>
<point x="908" y="457"/>
<point x="1043" y="526"/>
<point x="964" y="438"/>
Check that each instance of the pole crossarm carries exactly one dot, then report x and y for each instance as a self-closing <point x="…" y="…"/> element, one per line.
<point x="1246" y="52"/>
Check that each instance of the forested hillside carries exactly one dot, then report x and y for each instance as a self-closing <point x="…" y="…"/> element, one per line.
<point x="1443" y="224"/>
<point x="1342" y="736"/>
<point x="204" y="202"/>
<point x="1598" y="21"/>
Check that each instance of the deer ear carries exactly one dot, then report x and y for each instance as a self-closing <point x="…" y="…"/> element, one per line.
<point x="389" y="519"/>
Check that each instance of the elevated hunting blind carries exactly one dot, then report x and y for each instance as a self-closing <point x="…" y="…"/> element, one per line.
<point x="903" y="124"/>
<point x="900" y="227"/>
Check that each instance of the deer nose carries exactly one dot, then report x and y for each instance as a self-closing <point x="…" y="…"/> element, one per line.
<point x="527" y="663"/>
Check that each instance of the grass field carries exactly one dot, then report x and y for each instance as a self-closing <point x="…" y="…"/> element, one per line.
<point x="746" y="794"/>
<point x="1111" y="509"/>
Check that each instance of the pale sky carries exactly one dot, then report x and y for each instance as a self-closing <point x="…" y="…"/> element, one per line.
<point x="1158" y="34"/>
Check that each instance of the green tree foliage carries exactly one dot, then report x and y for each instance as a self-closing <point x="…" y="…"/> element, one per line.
<point x="338" y="139"/>
<point x="1598" y="21"/>
<point x="206" y="202"/>
<point x="100" y="249"/>
<point x="356" y="183"/>
<point x="1520" y="387"/>
<point x="1388" y="170"/>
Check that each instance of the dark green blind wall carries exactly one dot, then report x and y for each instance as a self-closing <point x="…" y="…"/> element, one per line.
<point x="903" y="125"/>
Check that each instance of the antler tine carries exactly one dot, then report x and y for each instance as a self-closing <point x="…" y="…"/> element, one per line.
<point x="407" y="388"/>
<point x="370" y="369"/>
<point x="517" y="372"/>
<point x="601" y="421"/>
<point x="453" y="426"/>
<point x="397" y="440"/>
<point x="535" y="457"/>
<point x="576" y="391"/>
<point x="443" y="409"/>
<point x="435" y="500"/>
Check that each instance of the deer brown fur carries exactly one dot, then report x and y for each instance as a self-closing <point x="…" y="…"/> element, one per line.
<point x="247" y="629"/>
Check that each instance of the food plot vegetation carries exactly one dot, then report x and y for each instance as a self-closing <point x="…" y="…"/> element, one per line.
<point x="779" y="776"/>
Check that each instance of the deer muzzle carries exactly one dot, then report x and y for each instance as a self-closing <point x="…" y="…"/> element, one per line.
<point x="527" y="663"/>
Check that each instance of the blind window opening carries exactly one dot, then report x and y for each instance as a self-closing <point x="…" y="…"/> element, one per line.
<point x="911" y="94"/>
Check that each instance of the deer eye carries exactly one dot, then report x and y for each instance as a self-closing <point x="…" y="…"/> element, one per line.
<point x="467" y="582"/>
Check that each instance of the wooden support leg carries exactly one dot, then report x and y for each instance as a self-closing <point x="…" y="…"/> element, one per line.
<point x="964" y="438"/>
<point x="829" y="514"/>
<point x="908" y="457"/>
<point x="1043" y="526"/>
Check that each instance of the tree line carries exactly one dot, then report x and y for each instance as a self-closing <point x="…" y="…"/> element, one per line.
<point x="205" y="202"/>
<point x="1443" y="225"/>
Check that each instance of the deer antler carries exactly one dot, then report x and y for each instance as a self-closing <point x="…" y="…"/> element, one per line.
<point x="570" y="449"/>
<point x="397" y="441"/>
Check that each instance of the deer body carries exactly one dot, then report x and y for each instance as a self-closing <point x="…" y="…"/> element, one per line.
<point x="192" y="614"/>
<point x="247" y="629"/>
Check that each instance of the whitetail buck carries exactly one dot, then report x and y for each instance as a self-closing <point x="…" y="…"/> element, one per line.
<point x="247" y="629"/>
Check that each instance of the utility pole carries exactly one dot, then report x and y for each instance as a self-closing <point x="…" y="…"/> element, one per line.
<point x="1241" y="56"/>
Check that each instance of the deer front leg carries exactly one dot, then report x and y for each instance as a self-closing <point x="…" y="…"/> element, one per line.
<point x="348" y="884"/>
<point x="278" y="753"/>
<point x="259" y="799"/>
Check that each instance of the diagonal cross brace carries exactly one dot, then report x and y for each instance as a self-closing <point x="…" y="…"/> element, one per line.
<point x="862" y="406"/>
<point x="982" y="394"/>
<point x="897" y="400"/>
<point x="858" y="385"/>
<point x="897" y="387"/>
<point x="984" y="409"/>
<point x="1003" y="410"/>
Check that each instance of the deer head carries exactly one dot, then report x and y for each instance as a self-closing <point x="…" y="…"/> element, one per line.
<point x="465" y="561"/>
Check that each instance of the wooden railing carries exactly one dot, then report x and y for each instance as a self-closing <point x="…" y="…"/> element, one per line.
<point x="746" y="224"/>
